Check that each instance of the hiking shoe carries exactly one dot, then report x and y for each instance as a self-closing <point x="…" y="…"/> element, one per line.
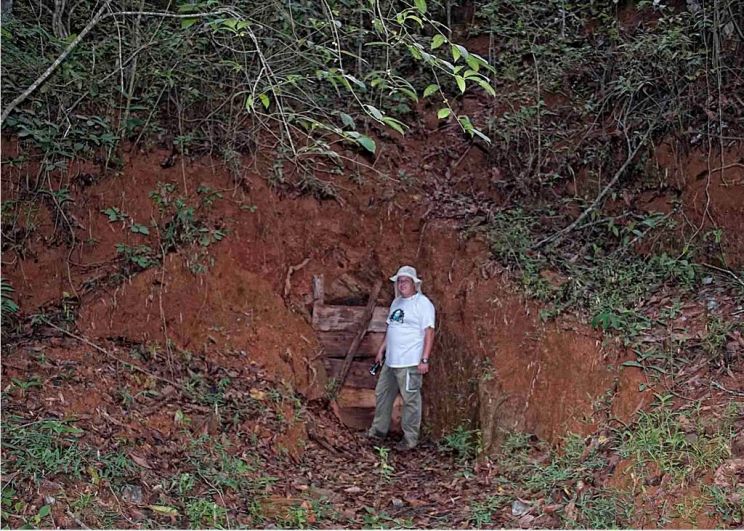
<point x="375" y="435"/>
<point x="403" y="446"/>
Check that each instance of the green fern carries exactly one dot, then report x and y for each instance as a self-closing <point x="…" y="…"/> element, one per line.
<point x="8" y="304"/>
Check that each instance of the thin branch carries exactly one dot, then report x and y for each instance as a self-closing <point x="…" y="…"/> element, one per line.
<point x="48" y="72"/>
<point x="112" y="356"/>
<point x="561" y="234"/>
<point x="725" y="271"/>
<point x="99" y="16"/>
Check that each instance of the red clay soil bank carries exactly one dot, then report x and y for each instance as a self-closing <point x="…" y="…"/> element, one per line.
<point x="712" y="196"/>
<point x="495" y="361"/>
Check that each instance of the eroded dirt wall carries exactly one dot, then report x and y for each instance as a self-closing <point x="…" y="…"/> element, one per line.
<point x="492" y="347"/>
<point x="499" y="364"/>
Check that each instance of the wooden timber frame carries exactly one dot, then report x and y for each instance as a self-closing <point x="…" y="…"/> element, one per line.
<point x="337" y="327"/>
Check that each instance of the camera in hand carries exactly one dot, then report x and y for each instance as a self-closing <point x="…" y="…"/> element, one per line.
<point x="375" y="368"/>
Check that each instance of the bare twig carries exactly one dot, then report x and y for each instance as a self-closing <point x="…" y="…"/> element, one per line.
<point x="561" y="234"/>
<point x="77" y="520"/>
<point x="292" y="269"/>
<point x="725" y="271"/>
<point x="112" y="356"/>
<point x="725" y="390"/>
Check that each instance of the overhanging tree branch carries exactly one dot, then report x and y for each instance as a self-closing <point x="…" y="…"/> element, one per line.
<point x="99" y="16"/>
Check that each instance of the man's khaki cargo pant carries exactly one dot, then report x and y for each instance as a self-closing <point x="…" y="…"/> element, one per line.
<point x="406" y="381"/>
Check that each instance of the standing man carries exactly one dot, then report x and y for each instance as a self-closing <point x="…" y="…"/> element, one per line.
<point x="406" y="349"/>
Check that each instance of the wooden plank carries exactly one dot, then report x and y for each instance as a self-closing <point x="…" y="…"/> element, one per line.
<point x="352" y="397"/>
<point x="361" y="331"/>
<point x="358" y="418"/>
<point x="358" y="376"/>
<point x="361" y="418"/>
<point x="346" y="318"/>
<point x="335" y="344"/>
<point x="357" y="408"/>
<point x="318" y="291"/>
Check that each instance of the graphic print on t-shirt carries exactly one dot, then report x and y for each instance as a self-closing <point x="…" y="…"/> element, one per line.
<point x="398" y="316"/>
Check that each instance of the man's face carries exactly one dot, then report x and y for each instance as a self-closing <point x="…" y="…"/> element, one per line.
<point x="406" y="286"/>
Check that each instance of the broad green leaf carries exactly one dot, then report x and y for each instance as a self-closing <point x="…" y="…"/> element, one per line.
<point x="249" y="103"/>
<point x="415" y="52"/>
<point x="443" y="113"/>
<point x="416" y="19"/>
<point x="44" y="511"/>
<point x="394" y="124"/>
<point x="344" y="82"/>
<point x="469" y="73"/>
<point x="480" y="134"/>
<point x="354" y="80"/>
<point x="367" y="143"/>
<point x="188" y="22"/>
<point x="455" y="52"/>
<point x="421" y="6"/>
<point x="410" y="93"/>
<point x="164" y="509"/>
<point x="449" y="65"/>
<point x="113" y="214"/>
<point x="437" y="41"/>
<point x="139" y="229"/>
<point x="431" y="89"/>
<point x="347" y="120"/>
<point x="264" y="99"/>
<point x="482" y="62"/>
<point x="473" y="62"/>
<point x="485" y="85"/>
<point x="466" y="124"/>
<point x="374" y="111"/>
<point x="460" y="83"/>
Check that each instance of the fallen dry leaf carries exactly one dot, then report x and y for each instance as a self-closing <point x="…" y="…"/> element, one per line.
<point x="727" y="473"/>
<point x="257" y="394"/>
<point x="141" y="461"/>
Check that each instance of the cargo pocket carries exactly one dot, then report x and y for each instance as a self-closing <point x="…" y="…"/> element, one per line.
<point x="413" y="380"/>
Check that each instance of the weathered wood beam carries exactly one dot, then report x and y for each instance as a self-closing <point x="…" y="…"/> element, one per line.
<point x="335" y="344"/>
<point x="318" y="292"/>
<point x="358" y="375"/>
<point x="346" y="318"/>
<point x="363" y="325"/>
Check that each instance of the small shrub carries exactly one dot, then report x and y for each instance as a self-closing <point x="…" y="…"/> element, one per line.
<point x="9" y="306"/>
<point x="203" y="513"/>
<point x="141" y="256"/>
<point x="45" y="448"/>
<point x="464" y="443"/>
<point x="385" y="469"/>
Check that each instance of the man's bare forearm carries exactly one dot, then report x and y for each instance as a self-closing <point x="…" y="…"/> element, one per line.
<point x="428" y="343"/>
<point x="381" y="350"/>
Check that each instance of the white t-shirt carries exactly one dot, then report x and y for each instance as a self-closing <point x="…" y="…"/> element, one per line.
<point x="407" y="321"/>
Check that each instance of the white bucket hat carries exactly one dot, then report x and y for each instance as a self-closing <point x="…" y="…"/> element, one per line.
<point x="407" y="271"/>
